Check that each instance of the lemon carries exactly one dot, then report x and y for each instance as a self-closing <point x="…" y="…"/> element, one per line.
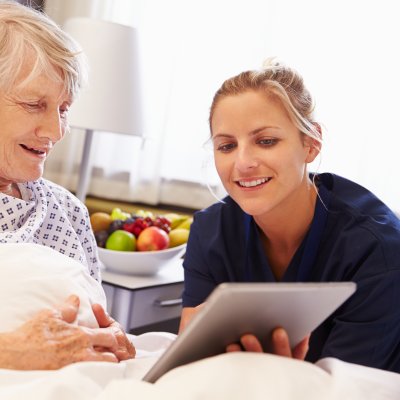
<point x="175" y="219"/>
<point x="178" y="236"/>
<point x="185" y="224"/>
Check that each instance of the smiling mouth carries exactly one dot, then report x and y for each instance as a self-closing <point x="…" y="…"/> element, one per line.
<point x="33" y="150"/>
<point x="253" y="183"/>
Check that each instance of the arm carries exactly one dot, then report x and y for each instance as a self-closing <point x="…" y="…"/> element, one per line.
<point x="50" y="341"/>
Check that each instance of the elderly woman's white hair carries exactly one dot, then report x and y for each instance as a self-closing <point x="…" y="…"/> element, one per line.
<point x="25" y="32"/>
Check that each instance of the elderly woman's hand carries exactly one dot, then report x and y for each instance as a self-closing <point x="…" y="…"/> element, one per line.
<point x="50" y="341"/>
<point x="125" y="349"/>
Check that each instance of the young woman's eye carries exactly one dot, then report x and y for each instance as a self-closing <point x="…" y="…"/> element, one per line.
<point x="225" y="147"/>
<point x="268" y="142"/>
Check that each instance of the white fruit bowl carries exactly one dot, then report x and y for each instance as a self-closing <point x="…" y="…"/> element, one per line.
<point x="139" y="262"/>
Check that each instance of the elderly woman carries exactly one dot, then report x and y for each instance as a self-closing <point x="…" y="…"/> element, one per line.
<point x="41" y="72"/>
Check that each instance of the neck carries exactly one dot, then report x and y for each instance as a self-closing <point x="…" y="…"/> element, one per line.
<point x="10" y="189"/>
<point x="283" y="230"/>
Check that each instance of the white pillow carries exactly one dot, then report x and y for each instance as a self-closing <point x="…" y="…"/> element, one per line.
<point x="35" y="277"/>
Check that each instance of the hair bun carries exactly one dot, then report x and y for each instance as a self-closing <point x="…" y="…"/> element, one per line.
<point x="271" y="62"/>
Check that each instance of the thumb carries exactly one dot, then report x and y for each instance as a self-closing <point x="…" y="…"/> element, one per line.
<point x="103" y="319"/>
<point x="69" y="309"/>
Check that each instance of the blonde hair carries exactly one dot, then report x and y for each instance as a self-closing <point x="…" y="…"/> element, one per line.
<point x="281" y="82"/>
<point x="25" y="32"/>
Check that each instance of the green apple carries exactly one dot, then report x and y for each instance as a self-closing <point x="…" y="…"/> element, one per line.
<point x="121" y="240"/>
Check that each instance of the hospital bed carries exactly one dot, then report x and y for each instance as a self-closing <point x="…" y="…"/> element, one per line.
<point x="35" y="277"/>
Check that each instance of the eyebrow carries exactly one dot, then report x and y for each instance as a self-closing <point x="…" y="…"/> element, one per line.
<point x="251" y="133"/>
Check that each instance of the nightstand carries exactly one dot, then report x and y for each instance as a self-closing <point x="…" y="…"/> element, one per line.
<point x="141" y="301"/>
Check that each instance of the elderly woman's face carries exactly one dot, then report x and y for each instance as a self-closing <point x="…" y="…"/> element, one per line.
<point x="32" y="120"/>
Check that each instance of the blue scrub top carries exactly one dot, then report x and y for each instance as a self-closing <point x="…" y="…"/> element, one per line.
<point x="353" y="237"/>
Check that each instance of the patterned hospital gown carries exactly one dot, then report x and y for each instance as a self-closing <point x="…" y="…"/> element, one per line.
<point x="51" y="216"/>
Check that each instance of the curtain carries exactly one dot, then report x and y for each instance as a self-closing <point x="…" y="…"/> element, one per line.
<point x="346" y="51"/>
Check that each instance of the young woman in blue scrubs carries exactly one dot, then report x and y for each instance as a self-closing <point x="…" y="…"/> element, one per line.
<point x="280" y="223"/>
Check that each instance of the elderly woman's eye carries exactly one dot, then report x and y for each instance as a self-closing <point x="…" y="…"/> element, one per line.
<point x="32" y="106"/>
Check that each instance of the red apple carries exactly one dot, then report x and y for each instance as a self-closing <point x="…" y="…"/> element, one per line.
<point x="151" y="239"/>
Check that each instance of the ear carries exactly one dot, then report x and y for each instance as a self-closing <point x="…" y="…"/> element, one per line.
<point x="312" y="145"/>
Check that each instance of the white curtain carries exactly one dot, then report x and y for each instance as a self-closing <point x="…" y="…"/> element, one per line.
<point x="347" y="52"/>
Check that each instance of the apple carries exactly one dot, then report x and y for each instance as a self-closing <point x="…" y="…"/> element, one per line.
<point x="151" y="239"/>
<point x="121" y="240"/>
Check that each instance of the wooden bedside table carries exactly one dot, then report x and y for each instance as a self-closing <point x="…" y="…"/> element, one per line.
<point x="138" y="301"/>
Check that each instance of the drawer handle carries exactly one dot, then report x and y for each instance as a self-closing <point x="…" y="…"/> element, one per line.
<point x="168" y="303"/>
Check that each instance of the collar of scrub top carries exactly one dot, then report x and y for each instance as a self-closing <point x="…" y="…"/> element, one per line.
<point x="310" y="245"/>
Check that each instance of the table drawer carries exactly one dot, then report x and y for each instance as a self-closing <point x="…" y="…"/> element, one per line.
<point x="156" y="304"/>
<point x="144" y="306"/>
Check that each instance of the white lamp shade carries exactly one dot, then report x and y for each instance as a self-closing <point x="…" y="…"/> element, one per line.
<point x="111" y="101"/>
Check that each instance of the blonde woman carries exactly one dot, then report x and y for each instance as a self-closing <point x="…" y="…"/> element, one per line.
<point x="281" y="223"/>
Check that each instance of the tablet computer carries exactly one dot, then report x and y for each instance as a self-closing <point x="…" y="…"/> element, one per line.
<point x="234" y="309"/>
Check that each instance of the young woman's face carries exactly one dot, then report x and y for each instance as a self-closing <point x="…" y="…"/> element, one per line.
<point x="32" y="120"/>
<point x="260" y="155"/>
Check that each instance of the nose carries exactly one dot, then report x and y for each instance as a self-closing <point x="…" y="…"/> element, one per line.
<point x="51" y="126"/>
<point x="246" y="158"/>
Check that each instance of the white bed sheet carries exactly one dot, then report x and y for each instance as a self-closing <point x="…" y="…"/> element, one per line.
<point x="31" y="278"/>
<point x="228" y="376"/>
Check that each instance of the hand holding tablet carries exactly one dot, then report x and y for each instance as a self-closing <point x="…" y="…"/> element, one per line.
<point x="235" y="309"/>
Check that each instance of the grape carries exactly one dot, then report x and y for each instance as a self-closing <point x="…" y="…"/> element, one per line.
<point x="101" y="238"/>
<point x="115" y="225"/>
<point x="162" y="223"/>
<point x="137" y="226"/>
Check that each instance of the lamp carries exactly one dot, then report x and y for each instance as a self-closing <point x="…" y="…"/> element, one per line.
<point x="110" y="102"/>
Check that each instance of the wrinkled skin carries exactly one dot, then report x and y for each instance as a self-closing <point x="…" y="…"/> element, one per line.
<point x="125" y="349"/>
<point x="50" y="341"/>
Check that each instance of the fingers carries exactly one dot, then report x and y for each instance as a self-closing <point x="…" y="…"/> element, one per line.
<point x="280" y="343"/>
<point x="233" y="348"/>
<point x="251" y="343"/>
<point x="102" y="317"/>
<point x="300" y="351"/>
<point x="102" y="338"/>
<point x="126" y="349"/>
<point x="96" y="355"/>
<point x="69" y="309"/>
<point x="247" y="343"/>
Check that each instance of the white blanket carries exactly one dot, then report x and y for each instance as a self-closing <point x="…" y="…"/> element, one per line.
<point x="228" y="376"/>
<point x="33" y="277"/>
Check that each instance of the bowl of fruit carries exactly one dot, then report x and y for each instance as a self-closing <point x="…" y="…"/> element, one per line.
<point x="139" y="243"/>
